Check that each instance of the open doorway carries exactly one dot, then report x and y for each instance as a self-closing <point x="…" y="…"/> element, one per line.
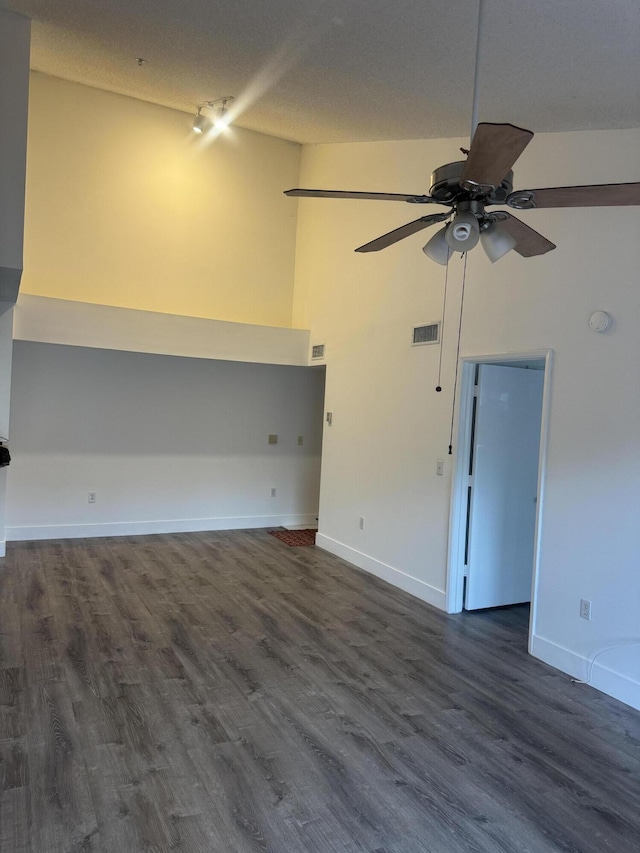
<point x="498" y="479"/>
<point x="311" y="445"/>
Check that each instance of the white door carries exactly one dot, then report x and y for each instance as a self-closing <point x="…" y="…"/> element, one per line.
<point x="503" y="485"/>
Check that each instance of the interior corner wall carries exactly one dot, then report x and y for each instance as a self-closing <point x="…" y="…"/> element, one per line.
<point x="168" y="444"/>
<point x="390" y="427"/>
<point x="126" y="206"/>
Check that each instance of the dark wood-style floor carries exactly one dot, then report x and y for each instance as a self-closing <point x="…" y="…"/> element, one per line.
<point x="224" y="692"/>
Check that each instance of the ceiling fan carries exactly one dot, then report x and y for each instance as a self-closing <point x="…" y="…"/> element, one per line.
<point x="468" y="187"/>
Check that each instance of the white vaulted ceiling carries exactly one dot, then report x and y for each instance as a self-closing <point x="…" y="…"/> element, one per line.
<point x="355" y="70"/>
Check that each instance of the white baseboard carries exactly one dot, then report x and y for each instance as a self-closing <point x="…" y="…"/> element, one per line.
<point x="144" y="528"/>
<point x="421" y="590"/>
<point x="606" y="680"/>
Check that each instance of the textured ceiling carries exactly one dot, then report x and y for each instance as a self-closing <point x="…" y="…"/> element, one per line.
<point x="354" y="70"/>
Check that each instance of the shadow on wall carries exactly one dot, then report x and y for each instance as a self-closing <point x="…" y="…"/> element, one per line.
<point x="76" y="400"/>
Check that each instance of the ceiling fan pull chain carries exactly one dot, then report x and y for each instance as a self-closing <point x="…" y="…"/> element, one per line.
<point x="444" y="314"/>
<point x="455" y="384"/>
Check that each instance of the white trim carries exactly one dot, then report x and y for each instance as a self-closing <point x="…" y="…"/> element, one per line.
<point x="143" y="528"/>
<point x="604" y="679"/>
<point x="542" y="469"/>
<point x="414" y="586"/>
<point x="3" y="549"/>
<point x="457" y="517"/>
<point x="458" y="510"/>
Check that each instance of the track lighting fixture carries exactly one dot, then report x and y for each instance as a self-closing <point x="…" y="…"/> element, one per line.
<point x="221" y="120"/>
<point x="222" y="117"/>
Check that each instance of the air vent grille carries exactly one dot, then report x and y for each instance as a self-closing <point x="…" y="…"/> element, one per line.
<point x="426" y="334"/>
<point x="317" y="351"/>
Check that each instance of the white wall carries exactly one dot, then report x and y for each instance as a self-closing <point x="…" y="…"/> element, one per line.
<point x="390" y="427"/>
<point x="126" y="206"/>
<point x="168" y="444"/>
<point x="63" y="321"/>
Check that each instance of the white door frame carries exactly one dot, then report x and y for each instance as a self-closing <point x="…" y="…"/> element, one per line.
<point x="459" y="483"/>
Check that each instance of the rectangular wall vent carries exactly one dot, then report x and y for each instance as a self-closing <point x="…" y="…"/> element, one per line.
<point x="427" y="334"/>
<point x="317" y="351"/>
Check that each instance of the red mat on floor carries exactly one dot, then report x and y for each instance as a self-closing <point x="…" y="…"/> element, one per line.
<point x="295" y="537"/>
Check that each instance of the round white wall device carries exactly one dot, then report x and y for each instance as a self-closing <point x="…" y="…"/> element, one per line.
<point x="600" y="321"/>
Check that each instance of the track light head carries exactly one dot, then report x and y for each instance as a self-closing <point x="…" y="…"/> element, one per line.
<point x="201" y="124"/>
<point x="223" y="116"/>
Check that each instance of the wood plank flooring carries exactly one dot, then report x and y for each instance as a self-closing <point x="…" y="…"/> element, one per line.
<point x="224" y="692"/>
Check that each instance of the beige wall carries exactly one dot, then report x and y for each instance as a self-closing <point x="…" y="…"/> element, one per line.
<point x="125" y="206"/>
<point x="390" y="427"/>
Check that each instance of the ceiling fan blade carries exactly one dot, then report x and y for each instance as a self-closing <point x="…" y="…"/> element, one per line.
<point x="596" y="195"/>
<point x="412" y="199"/>
<point x="494" y="150"/>
<point x="529" y="243"/>
<point x="403" y="231"/>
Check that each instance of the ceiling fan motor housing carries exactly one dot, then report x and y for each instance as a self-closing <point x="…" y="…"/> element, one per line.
<point x="446" y="185"/>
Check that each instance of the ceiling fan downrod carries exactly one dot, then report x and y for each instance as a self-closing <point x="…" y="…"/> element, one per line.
<point x="476" y="72"/>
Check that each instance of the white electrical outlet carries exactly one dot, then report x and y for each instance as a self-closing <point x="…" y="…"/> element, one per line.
<point x="92" y="497"/>
<point x="585" y="608"/>
<point x="273" y="493"/>
<point x="440" y="467"/>
<point x="361" y="525"/>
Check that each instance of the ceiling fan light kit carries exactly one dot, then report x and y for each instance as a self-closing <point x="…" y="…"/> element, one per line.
<point x="497" y="241"/>
<point x="438" y="249"/>
<point x="464" y="231"/>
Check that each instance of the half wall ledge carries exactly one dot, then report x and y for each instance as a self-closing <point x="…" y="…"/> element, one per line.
<point x="82" y="324"/>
